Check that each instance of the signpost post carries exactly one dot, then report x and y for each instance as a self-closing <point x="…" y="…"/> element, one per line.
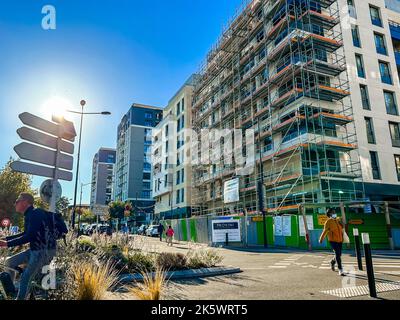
<point x="56" y="138"/>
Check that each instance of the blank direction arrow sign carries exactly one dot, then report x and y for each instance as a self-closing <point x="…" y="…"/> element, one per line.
<point x="44" y="139"/>
<point x="46" y="126"/>
<point x="38" y="154"/>
<point x="36" y="170"/>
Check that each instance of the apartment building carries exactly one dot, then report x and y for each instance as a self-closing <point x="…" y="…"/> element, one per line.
<point x="280" y="69"/>
<point x="133" y="176"/>
<point x="371" y="35"/>
<point x="172" y="174"/>
<point x="102" y="177"/>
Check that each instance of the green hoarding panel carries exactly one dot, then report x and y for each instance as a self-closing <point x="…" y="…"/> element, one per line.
<point x="184" y="230"/>
<point x="193" y="230"/>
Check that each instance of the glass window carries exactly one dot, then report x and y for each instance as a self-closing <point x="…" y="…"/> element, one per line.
<point x="375" y="16"/>
<point x="183" y="175"/>
<point x="148" y="115"/>
<point x="397" y="164"/>
<point x="183" y="104"/>
<point x="395" y="134"/>
<point x="370" y="130"/>
<point x="356" y="36"/>
<point x="360" y="66"/>
<point x="365" y="97"/>
<point x="380" y="43"/>
<point x="352" y="9"/>
<point x="376" y="174"/>
<point x="390" y="102"/>
<point x="385" y="72"/>
<point x="178" y="198"/>
<point x="182" y="195"/>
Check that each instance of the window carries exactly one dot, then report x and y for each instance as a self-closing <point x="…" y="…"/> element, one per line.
<point x="148" y="115"/>
<point x="178" y="177"/>
<point x="370" y="130"/>
<point x="146" y="166"/>
<point x="146" y="176"/>
<point x="165" y="181"/>
<point x="183" y="104"/>
<point x="397" y="164"/>
<point x="166" y="146"/>
<point x="376" y="174"/>
<point x="178" y="108"/>
<point x="146" y="194"/>
<point x="183" y="175"/>
<point x="356" y="36"/>
<point x="166" y="131"/>
<point x="390" y="102"/>
<point x="375" y="16"/>
<point x="365" y="97"/>
<point x="380" y="43"/>
<point x="183" y="195"/>
<point x="146" y="185"/>
<point x="178" y="198"/>
<point x="148" y="123"/>
<point x="147" y="149"/>
<point x="385" y="72"/>
<point x="360" y="66"/>
<point x="395" y="134"/>
<point x="352" y="9"/>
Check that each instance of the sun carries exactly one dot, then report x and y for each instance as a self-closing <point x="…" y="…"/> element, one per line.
<point x="57" y="106"/>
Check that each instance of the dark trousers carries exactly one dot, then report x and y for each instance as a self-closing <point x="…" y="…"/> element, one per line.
<point x="161" y="236"/>
<point x="337" y="248"/>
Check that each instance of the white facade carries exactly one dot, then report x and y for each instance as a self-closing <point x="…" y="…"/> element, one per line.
<point x="377" y="116"/>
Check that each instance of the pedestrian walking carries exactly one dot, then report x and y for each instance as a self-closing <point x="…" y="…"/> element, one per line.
<point x="170" y="234"/>
<point x="42" y="243"/>
<point x="160" y="230"/>
<point x="333" y="228"/>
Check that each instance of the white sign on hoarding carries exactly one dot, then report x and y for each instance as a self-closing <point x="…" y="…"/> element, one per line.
<point x="221" y="227"/>
<point x="231" y="191"/>
<point x="310" y="224"/>
<point x="278" y="225"/>
<point x="287" y="226"/>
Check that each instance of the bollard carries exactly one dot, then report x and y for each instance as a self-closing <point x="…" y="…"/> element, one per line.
<point x="226" y="239"/>
<point x="368" y="262"/>
<point x="358" y="248"/>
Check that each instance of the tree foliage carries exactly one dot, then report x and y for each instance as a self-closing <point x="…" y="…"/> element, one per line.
<point x="116" y="209"/>
<point x="11" y="185"/>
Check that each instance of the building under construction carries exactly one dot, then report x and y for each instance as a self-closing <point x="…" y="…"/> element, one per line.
<point x="279" y="68"/>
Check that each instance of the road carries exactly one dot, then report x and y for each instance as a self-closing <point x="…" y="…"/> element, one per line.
<point x="283" y="274"/>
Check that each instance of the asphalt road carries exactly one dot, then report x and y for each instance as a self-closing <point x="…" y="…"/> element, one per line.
<point x="282" y="274"/>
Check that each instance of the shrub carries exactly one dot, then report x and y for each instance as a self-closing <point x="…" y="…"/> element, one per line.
<point x="152" y="287"/>
<point x="114" y="254"/>
<point x="91" y="281"/>
<point x="85" y="243"/>
<point x="139" y="261"/>
<point x="171" y="261"/>
<point x="203" y="259"/>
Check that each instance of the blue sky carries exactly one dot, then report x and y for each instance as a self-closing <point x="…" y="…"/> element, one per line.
<point x="111" y="53"/>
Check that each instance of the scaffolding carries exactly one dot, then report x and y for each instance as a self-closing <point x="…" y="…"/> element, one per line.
<point x="280" y="69"/>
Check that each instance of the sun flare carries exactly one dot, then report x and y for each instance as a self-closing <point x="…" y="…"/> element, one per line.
<point x="57" y="106"/>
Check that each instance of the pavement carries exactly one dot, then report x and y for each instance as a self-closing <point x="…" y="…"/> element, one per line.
<point x="269" y="274"/>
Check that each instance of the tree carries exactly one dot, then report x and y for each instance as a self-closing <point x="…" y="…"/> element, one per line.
<point x="117" y="209"/>
<point x="11" y="185"/>
<point x="62" y="206"/>
<point x="86" y="215"/>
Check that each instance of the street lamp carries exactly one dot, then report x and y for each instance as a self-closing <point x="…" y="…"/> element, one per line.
<point x="81" y="113"/>
<point x="80" y="204"/>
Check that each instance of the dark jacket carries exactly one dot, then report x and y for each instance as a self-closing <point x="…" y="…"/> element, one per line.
<point x="36" y="231"/>
<point x="160" y="228"/>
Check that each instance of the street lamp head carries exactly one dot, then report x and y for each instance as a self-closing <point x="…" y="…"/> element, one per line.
<point x="83" y="102"/>
<point x="106" y="113"/>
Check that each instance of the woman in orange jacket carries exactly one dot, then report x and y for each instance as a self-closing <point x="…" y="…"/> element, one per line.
<point x="333" y="228"/>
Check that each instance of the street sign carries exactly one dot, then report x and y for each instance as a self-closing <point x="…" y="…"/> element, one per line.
<point x="41" y="171"/>
<point x="5" y="222"/>
<point x="46" y="190"/>
<point x="49" y="127"/>
<point x="100" y="210"/>
<point x="44" y="139"/>
<point x="38" y="154"/>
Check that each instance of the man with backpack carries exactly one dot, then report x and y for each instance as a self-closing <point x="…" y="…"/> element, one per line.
<point x="41" y="230"/>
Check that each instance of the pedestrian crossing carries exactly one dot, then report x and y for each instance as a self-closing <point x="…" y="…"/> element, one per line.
<point x="323" y="262"/>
